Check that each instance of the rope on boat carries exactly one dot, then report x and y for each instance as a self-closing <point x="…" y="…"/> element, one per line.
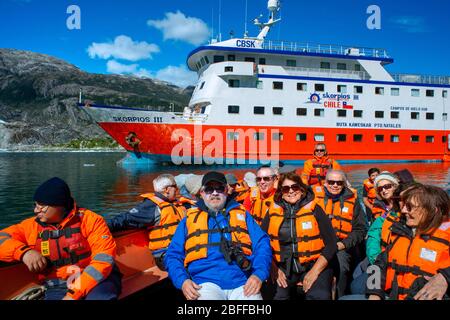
<point x="33" y="293"/>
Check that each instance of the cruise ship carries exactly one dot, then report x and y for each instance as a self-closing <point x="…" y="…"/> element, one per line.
<point x="259" y="100"/>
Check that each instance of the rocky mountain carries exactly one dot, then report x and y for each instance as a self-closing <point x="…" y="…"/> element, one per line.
<point x="39" y="93"/>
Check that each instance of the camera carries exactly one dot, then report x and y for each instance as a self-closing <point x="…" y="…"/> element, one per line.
<point x="231" y="252"/>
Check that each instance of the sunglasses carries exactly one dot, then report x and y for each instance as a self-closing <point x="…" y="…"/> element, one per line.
<point x="172" y="186"/>
<point x="266" y="179"/>
<point x="385" y="187"/>
<point x="409" y="207"/>
<point x="340" y="183"/>
<point x="295" y="188"/>
<point x="211" y="189"/>
<point x="319" y="150"/>
<point x="41" y="208"/>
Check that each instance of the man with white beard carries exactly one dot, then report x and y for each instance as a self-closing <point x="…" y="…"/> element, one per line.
<point x="218" y="251"/>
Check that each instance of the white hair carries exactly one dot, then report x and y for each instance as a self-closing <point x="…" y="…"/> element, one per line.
<point x="163" y="181"/>
<point x="334" y="171"/>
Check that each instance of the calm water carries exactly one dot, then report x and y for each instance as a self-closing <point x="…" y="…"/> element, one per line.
<point x="99" y="184"/>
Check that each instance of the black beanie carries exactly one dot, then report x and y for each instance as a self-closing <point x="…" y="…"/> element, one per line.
<point x="54" y="192"/>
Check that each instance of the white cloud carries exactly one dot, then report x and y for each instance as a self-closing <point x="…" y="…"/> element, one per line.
<point x="411" y="24"/>
<point x="113" y="66"/>
<point x="179" y="76"/>
<point x="123" y="48"/>
<point x="177" y="26"/>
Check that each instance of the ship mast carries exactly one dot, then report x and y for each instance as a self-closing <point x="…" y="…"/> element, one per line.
<point x="274" y="8"/>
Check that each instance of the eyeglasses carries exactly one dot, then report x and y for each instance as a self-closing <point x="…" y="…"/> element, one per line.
<point x="295" y="188"/>
<point x="266" y="179"/>
<point x="385" y="187"/>
<point x="40" y="207"/>
<point x="409" y="207"/>
<point x="319" y="150"/>
<point x="340" y="183"/>
<point x="211" y="189"/>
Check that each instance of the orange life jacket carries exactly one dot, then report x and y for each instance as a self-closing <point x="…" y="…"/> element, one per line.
<point x="377" y="211"/>
<point x="308" y="239"/>
<point x="260" y="206"/>
<point x="64" y="247"/>
<point x="197" y="240"/>
<point x="409" y="259"/>
<point x="386" y="235"/>
<point x="170" y="216"/>
<point x="183" y="200"/>
<point x="370" y="189"/>
<point x="319" y="170"/>
<point x="341" y="217"/>
<point x="242" y="191"/>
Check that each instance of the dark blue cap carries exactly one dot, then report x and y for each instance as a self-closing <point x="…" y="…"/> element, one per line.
<point x="54" y="192"/>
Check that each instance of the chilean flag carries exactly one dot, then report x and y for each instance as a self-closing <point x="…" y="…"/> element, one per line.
<point x="346" y="106"/>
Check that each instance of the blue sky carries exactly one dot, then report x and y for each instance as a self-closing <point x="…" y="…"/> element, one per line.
<point x="153" y="37"/>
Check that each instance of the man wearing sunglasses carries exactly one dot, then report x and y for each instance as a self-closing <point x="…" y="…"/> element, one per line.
<point x="261" y="197"/>
<point x="341" y="205"/>
<point x="160" y="212"/>
<point x="315" y="169"/>
<point x="218" y="251"/>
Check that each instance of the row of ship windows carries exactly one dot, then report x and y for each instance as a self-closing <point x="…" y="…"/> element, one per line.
<point x="320" y="137"/>
<point x="340" y="88"/>
<point x="289" y="62"/>
<point x="341" y="113"/>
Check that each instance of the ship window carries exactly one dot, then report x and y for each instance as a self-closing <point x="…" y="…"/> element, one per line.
<point x="415" y="93"/>
<point x="414" y="139"/>
<point x="341" y="66"/>
<point x="341" y="137"/>
<point x="379" y="114"/>
<point x="319" y="87"/>
<point x="291" y="63"/>
<point x="231" y="57"/>
<point x="202" y="85"/>
<point x="444" y="117"/>
<point x="249" y="59"/>
<point x="379" y="90"/>
<point x="259" y="84"/>
<point x="258" y="136"/>
<point x="302" y="111"/>
<point x="395" y="92"/>
<point x="379" y="138"/>
<point x="357" y="67"/>
<point x="300" y="137"/>
<point x="395" y="114"/>
<point x="357" y="113"/>
<point x="233" y="135"/>
<point x="444" y="139"/>
<point x="395" y="138"/>
<point x="357" y="137"/>
<point x="341" y="113"/>
<point x="444" y="93"/>
<point x="199" y="66"/>
<point x="429" y="139"/>
<point x="277" y="136"/>
<point x="202" y="61"/>
<point x="430" y="116"/>
<point x="234" y="83"/>
<point x="324" y="65"/>
<point x="358" y="89"/>
<point x="319" y="112"/>
<point x="228" y="69"/>
<point x="206" y="59"/>
<point x="415" y="115"/>
<point x="341" y="88"/>
<point x="302" y="86"/>
<point x="258" y="110"/>
<point x="277" y="110"/>
<point x="277" y="85"/>
<point x="233" y="109"/>
<point x="219" y="59"/>
<point x="319" y="137"/>
<point x="429" y="93"/>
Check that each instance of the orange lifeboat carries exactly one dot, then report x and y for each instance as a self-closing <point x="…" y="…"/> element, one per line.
<point x="134" y="259"/>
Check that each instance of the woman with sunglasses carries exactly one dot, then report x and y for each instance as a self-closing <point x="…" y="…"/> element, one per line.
<point x="420" y="250"/>
<point x="303" y="242"/>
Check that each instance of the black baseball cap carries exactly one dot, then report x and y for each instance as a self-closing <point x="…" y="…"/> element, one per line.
<point x="214" y="176"/>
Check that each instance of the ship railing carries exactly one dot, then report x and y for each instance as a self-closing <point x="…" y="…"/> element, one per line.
<point x="325" y="49"/>
<point x="330" y="73"/>
<point x="420" y="78"/>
